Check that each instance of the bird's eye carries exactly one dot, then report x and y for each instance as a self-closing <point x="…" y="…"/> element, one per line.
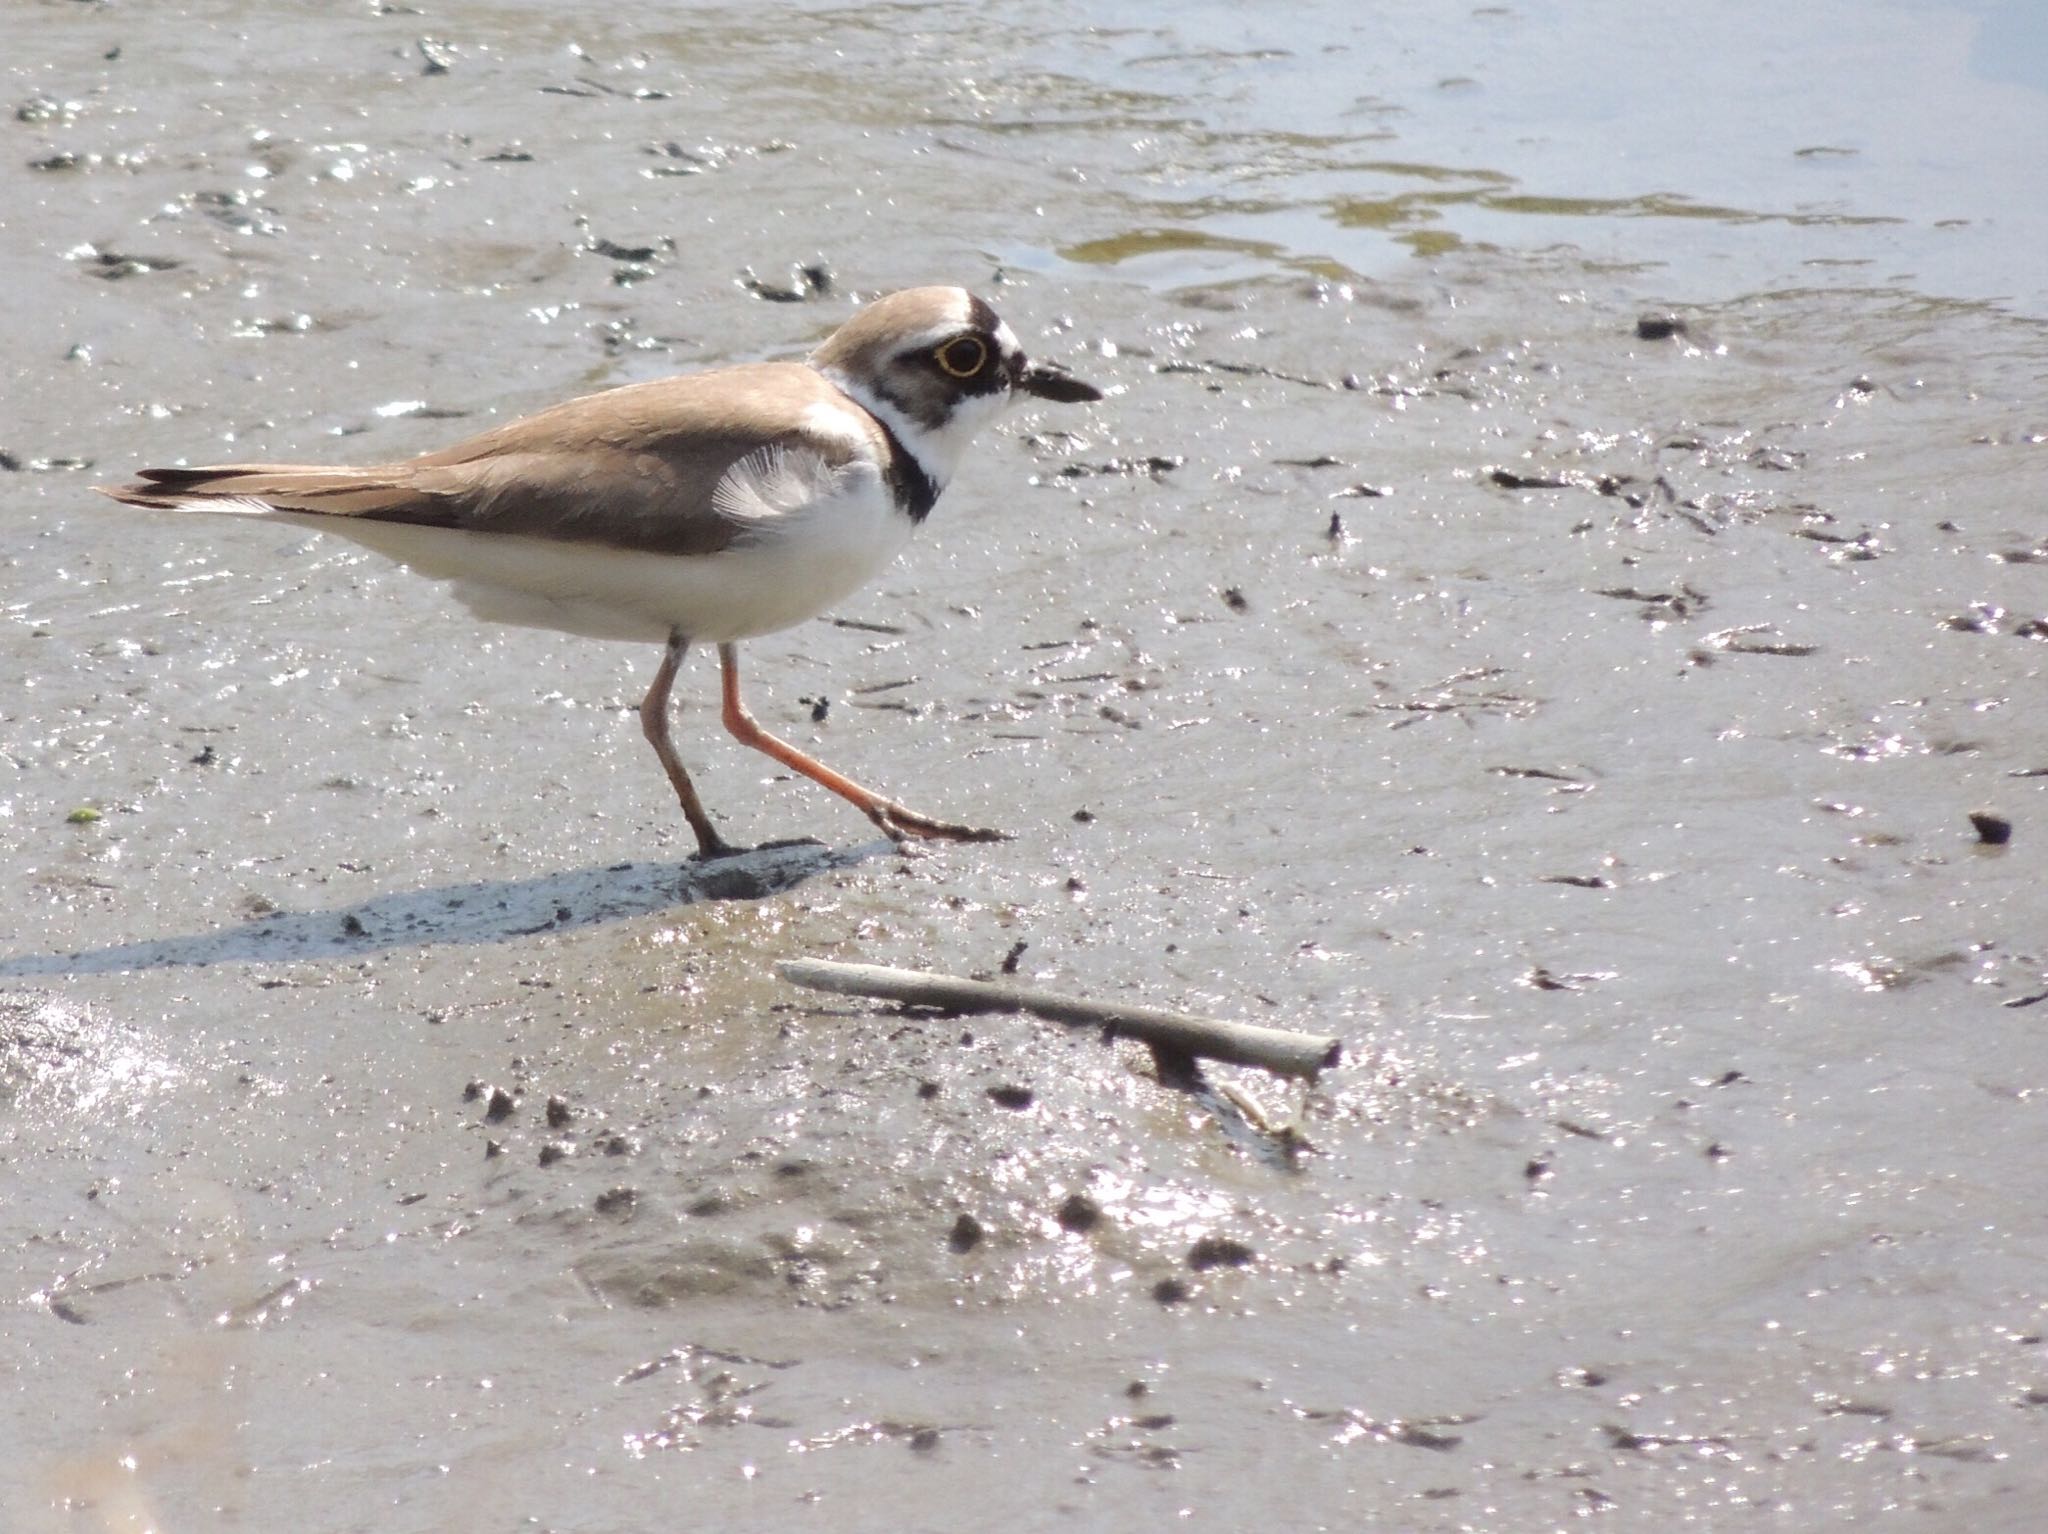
<point x="963" y="356"/>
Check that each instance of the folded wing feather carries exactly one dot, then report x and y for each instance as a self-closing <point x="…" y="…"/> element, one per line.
<point x="676" y="466"/>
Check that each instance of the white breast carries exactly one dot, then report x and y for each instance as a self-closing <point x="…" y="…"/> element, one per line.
<point x="812" y="536"/>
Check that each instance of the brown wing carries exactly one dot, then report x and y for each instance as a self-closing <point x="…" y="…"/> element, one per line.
<point x="632" y="468"/>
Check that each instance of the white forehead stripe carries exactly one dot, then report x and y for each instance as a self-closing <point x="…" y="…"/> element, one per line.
<point x="1006" y="343"/>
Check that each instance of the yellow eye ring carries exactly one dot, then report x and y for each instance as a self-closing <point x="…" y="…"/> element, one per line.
<point x="962" y="357"/>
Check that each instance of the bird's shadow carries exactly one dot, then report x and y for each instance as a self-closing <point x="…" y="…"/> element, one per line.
<point x="479" y="912"/>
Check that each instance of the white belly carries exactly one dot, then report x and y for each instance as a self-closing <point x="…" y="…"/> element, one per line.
<point x="784" y="573"/>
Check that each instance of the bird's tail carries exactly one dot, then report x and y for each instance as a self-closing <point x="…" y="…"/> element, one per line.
<point x="256" y="489"/>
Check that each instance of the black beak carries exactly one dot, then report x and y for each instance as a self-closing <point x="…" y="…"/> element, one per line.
<point x="1055" y="383"/>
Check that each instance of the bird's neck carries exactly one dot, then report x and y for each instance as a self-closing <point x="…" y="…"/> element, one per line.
<point x="934" y="449"/>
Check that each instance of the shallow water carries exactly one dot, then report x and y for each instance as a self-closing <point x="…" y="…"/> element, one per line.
<point x="1561" y="566"/>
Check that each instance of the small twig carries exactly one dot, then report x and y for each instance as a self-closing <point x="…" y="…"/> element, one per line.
<point x="1274" y="1049"/>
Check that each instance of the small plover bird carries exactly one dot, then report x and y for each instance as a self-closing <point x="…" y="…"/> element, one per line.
<point x="702" y="509"/>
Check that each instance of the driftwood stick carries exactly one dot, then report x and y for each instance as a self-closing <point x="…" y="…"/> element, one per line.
<point x="1274" y="1049"/>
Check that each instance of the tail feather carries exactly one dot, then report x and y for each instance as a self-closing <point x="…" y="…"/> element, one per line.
<point x="257" y="487"/>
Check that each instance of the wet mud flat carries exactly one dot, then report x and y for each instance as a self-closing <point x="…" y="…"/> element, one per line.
<point x="1577" y="700"/>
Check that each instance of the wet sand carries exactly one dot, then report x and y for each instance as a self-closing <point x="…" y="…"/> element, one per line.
<point x="1566" y="673"/>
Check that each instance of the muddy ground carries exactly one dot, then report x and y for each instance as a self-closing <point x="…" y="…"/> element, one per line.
<point x="1569" y="680"/>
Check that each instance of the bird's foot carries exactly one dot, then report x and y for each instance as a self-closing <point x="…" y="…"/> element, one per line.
<point x="902" y="825"/>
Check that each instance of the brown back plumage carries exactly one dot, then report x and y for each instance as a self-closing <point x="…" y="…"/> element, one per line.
<point x="633" y="468"/>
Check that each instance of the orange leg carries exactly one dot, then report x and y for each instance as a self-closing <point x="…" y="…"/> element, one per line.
<point x="898" y="823"/>
<point x="654" y="722"/>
